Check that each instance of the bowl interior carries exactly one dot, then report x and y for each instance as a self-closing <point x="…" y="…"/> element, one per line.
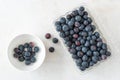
<point x="21" y="39"/>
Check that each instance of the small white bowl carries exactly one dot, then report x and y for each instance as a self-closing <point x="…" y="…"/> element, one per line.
<point x="21" y="39"/>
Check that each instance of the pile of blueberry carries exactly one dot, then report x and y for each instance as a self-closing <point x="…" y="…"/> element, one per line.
<point x="83" y="42"/>
<point x="26" y="53"/>
<point x="54" y="40"/>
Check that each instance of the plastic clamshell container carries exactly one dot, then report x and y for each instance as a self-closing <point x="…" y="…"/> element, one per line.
<point x="96" y="30"/>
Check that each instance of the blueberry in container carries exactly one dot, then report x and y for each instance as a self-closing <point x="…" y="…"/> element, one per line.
<point x="84" y="40"/>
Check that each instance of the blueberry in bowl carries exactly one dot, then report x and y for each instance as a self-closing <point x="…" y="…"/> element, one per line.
<point x="26" y="52"/>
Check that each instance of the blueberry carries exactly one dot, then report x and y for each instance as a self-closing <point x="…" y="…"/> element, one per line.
<point x="76" y="30"/>
<point x="15" y="55"/>
<point x="94" y="37"/>
<point x="27" y="53"/>
<point x="71" y="32"/>
<point x="108" y="53"/>
<point x="78" y="48"/>
<point x="33" y="59"/>
<point x="73" y="51"/>
<point x="36" y="49"/>
<point x="84" y="33"/>
<point x="91" y="63"/>
<point x="84" y="49"/>
<point x="73" y="45"/>
<point x="85" y="13"/>
<point x="77" y="24"/>
<point x="82" y="41"/>
<point x="21" y="59"/>
<point x="84" y="64"/>
<point x="85" y="22"/>
<point x="88" y="38"/>
<point x="55" y="40"/>
<point x="75" y="56"/>
<point x="99" y="40"/>
<point x="88" y="28"/>
<point x="82" y="68"/>
<point x="51" y="49"/>
<point x="92" y="48"/>
<point x="75" y="12"/>
<point x="85" y="17"/>
<point x="62" y="20"/>
<point x="99" y="44"/>
<point x="16" y="50"/>
<point x="85" y="58"/>
<point x="48" y="36"/>
<point x="75" y="36"/>
<point x="27" y="57"/>
<point x="62" y="34"/>
<point x="65" y="28"/>
<point x="89" y="20"/>
<point x="102" y="51"/>
<point x="73" y="19"/>
<point x="31" y="44"/>
<point x="29" y="49"/>
<point x="79" y="38"/>
<point x="103" y="57"/>
<point x="57" y="23"/>
<point x="21" y="47"/>
<point x="81" y="27"/>
<point x="93" y="28"/>
<point x="98" y="49"/>
<point x="26" y="45"/>
<point x="68" y="17"/>
<point x="89" y="53"/>
<point x="95" y="53"/>
<point x="97" y="34"/>
<point x="92" y="41"/>
<point x="81" y="13"/>
<point x="77" y="43"/>
<point x="33" y="53"/>
<point x="95" y="59"/>
<point x="104" y="46"/>
<point x="77" y="18"/>
<point x="27" y="62"/>
<point x="67" y="33"/>
<point x="68" y="43"/>
<point x="58" y="28"/>
<point x="81" y="8"/>
<point x="66" y="38"/>
<point x="87" y="43"/>
<point x="70" y="23"/>
<point x="78" y="62"/>
<point x="79" y="53"/>
<point x="99" y="58"/>
<point x="90" y="33"/>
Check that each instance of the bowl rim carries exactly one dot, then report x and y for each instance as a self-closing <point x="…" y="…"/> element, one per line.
<point x="33" y="35"/>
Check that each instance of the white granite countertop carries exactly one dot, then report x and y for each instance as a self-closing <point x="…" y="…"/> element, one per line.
<point x="37" y="16"/>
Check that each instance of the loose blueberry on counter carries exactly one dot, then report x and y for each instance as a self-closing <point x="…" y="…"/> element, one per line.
<point x="55" y="40"/>
<point x="48" y="36"/>
<point x="51" y="49"/>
